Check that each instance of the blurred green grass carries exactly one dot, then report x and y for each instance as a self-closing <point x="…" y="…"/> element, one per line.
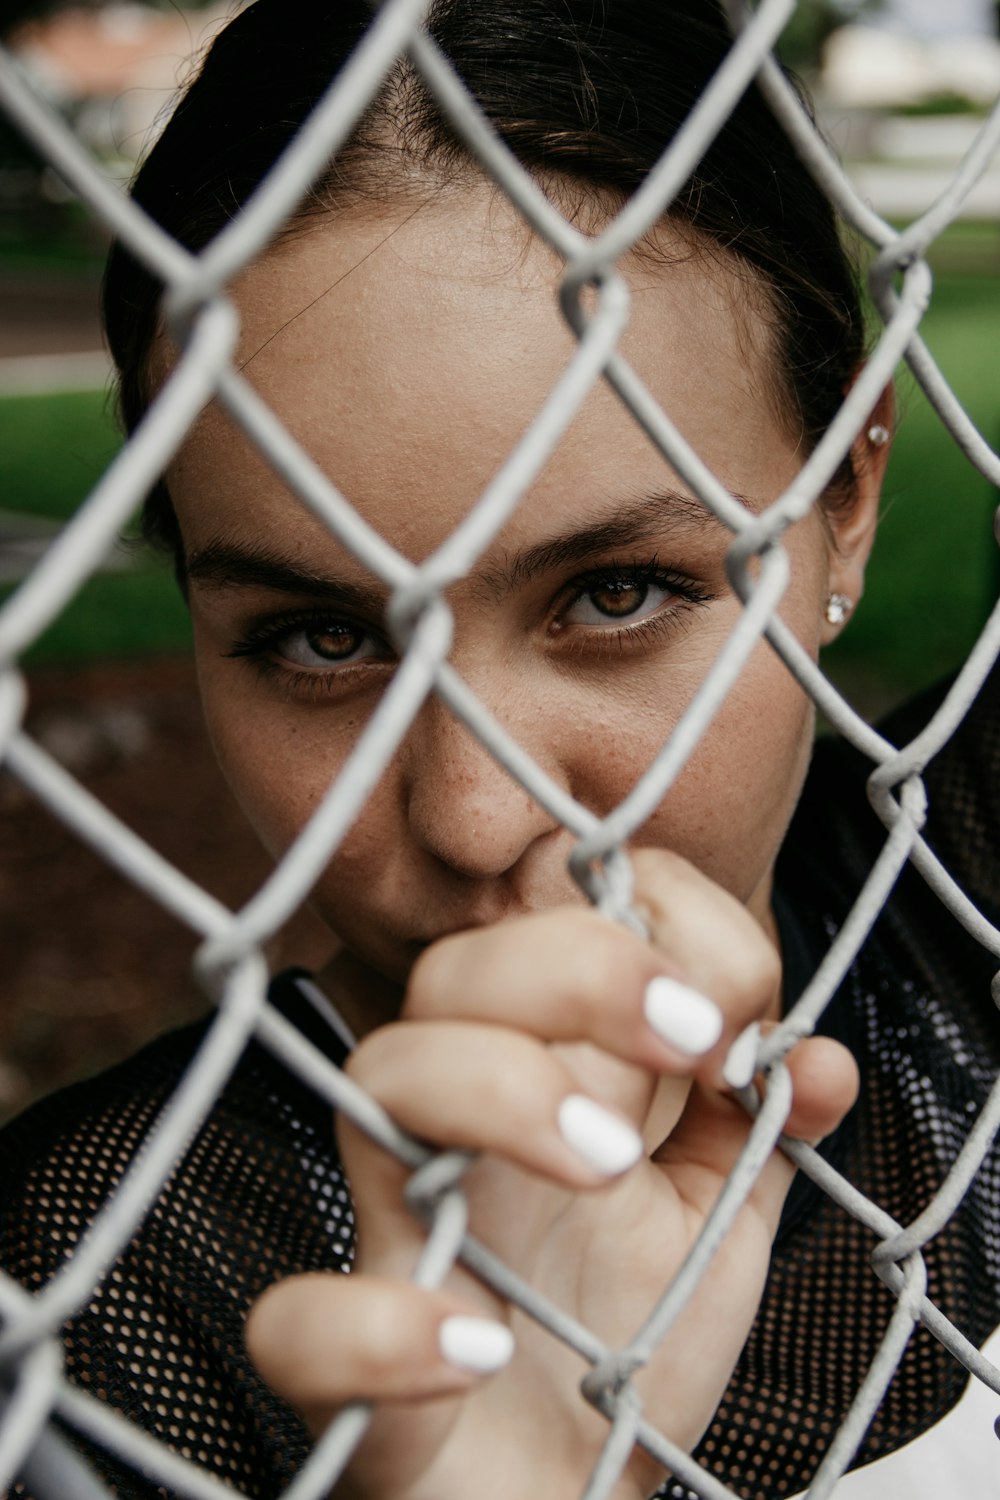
<point x="53" y="449"/>
<point x="932" y="580"/>
<point x="935" y="569"/>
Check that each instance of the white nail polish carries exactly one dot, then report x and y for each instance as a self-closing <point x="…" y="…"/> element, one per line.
<point x="682" y="1017"/>
<point x="604" y="1141"/>
<point x="741" y="1060"/>
<point x="477" y="1344"/>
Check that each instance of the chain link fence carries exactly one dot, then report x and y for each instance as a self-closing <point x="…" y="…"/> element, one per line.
<point x="230" y="956"/>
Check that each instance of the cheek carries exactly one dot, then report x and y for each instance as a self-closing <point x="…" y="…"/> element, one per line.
<point x="277" y="767"/>
<point x="729" y="809"/>
<point x="371" y="885"/>
<point x="280" y="764"/>
<point x="274" y="794"/>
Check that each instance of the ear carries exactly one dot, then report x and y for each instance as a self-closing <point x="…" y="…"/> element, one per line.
<point x="853" y="525"/>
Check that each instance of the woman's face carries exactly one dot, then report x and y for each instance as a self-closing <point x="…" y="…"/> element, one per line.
<point x="408" y="351"/>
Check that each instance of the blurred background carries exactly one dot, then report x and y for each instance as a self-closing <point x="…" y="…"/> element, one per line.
<point x="92" y="968"/>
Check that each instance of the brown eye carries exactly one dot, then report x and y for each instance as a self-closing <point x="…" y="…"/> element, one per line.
<point x="627" y="598"/>
<point x="330" y="643"/>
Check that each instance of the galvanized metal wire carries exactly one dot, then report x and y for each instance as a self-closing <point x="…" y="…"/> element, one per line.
<point x="230" y="958"/>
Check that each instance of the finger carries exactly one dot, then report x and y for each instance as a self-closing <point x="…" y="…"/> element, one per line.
<point x="563" y="975"/>
<point x="712" y="940"/>
<point x="570" y="975"/>
<point x="825" y="1083"/>
<point x="321" y="1341"/>
<point x="486" y="1088"/>
<point x="714" y="1128"/>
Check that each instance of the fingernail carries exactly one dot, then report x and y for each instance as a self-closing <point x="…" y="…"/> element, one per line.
<point x="604" y="1141"/>
<point x="741" y="1059"/>
<point x="477" y="1344"/>
<point x="682" y="1017"/>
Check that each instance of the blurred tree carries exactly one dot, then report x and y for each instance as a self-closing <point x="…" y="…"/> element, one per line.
<point x="801" y="42"/>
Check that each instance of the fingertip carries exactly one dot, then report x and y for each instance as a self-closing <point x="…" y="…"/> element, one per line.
<point x="741" y="1060"/>
<point x="477" y="1346"/>
<point x="825" y="1085"/>
<point x="681" y="1016"/>
<point x="265" y="1321"/>
<point x="603" y="1141"/>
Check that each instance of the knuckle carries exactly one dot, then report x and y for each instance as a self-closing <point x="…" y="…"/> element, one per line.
<point x="378" y="1354"/>
<point x="353" y="1065"/>
<point x="512" y="1094"/>
<point x="764" y="963"/>
<point x="650" y="866"/>
<point x="605" y="962"/>
<point x="430" y="978"/>
<point x="364" y="1064"/>
<point x="758" y="973"/>
<point x="661" y="878"/>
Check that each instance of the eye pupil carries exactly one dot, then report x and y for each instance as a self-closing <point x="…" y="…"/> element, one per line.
<point x="619" y="596"/>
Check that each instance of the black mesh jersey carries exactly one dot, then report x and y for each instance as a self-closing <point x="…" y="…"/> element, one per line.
<point x="260" y="1194"/>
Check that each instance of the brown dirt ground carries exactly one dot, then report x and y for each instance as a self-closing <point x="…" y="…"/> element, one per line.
<point x="48" y="313"/>
<point x="93" y="967"/>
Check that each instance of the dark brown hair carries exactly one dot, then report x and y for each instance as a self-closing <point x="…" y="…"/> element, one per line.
<point x="585" y="92"/>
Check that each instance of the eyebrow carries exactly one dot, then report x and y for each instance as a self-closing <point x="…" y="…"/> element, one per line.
<point x="226" y="564"/>
<point x="658" y="517"/>
<point x="223" y="564"/>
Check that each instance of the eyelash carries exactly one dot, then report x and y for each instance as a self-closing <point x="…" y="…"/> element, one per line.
<point x="260" y="640"/>
<point x="259" y="643"/>
<point x="649" y="571"/>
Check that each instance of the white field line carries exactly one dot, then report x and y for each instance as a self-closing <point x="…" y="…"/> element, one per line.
<point x="37" y="374"/>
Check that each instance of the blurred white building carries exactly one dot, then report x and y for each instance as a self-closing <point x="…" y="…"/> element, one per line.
<point x="908" y="51"/>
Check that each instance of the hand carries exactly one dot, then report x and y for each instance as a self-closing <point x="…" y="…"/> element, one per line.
<point x="500" y="1028"/>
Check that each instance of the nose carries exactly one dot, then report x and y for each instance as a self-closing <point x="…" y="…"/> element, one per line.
<point x="461" y="805"/>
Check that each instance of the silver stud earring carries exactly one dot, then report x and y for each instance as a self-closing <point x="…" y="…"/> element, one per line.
<point x="878" y="435"/>
<point x="838" y="607"/>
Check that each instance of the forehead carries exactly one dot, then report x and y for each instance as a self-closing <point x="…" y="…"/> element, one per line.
<point x="409" y="348"/>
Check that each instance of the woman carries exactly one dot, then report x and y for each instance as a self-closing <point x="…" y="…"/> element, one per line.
<point x="405" y="329"/>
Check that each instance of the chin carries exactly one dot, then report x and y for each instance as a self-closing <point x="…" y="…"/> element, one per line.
<point x="388" y="957"/>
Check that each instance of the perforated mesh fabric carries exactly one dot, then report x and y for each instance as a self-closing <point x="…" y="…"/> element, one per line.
<point x="917" y="1013"/>
<point x="260" y="1194"/>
